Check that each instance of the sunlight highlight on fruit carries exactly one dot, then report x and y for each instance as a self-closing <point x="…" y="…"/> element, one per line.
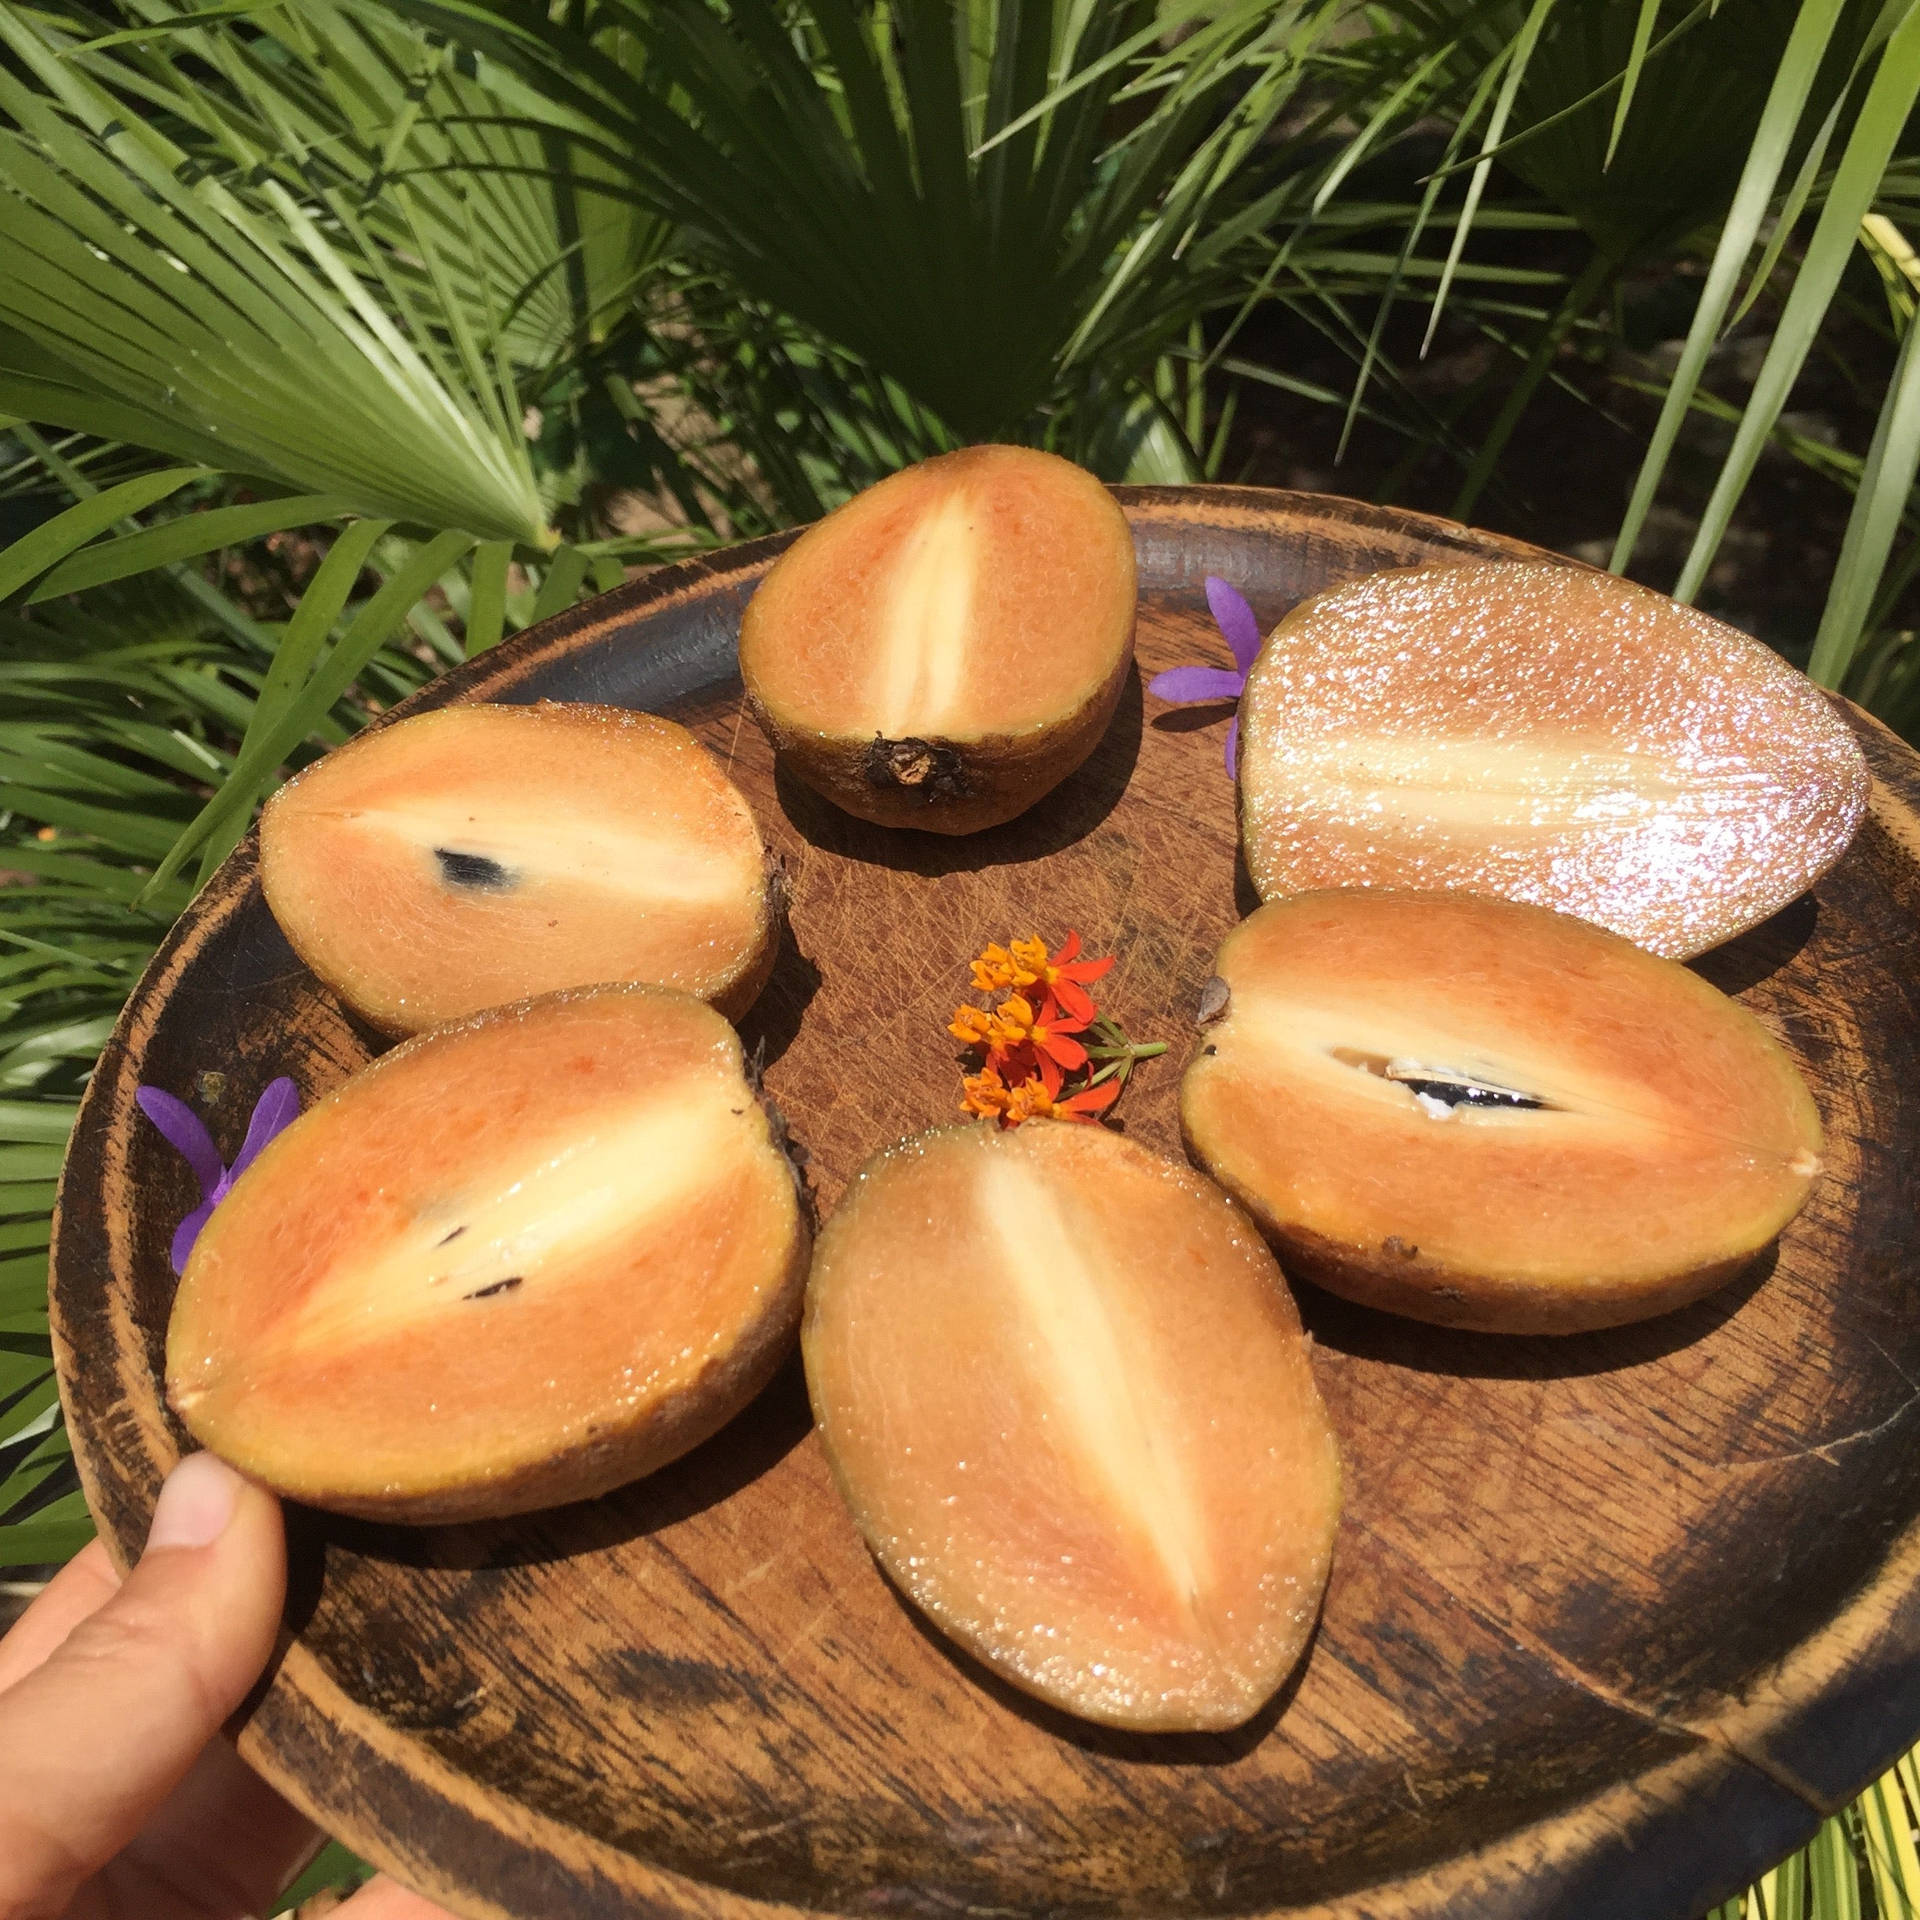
<point x="1549" y="734"/>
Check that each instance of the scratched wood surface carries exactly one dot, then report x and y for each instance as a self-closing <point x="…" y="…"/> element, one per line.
<point x="1613" y="1620"/>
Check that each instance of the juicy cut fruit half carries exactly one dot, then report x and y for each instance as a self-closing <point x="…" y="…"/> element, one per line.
<point x="1546" y="733"/>
<point x="1066" y="1395"/>
<point x="480" y="855"/>
<point x="515" y="1262"/>
<point x="1491" y="1116"/>
<point x="950" y="644"/>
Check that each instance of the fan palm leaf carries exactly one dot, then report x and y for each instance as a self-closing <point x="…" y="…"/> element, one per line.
<point x="938" y="190"/>
<point x="301" y="279"/>
<point x="1651" y="126"/>
<point x="362" y="108"/>
<point x="177" y="317"/>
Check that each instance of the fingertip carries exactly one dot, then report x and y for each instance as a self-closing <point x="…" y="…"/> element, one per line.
<point x="217" y="1547"/>
<point x="196" y="1505"/>
<point x="203" y="1501"/>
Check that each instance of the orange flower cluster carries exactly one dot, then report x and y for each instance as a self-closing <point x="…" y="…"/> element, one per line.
<point x="1031" y="1040"/>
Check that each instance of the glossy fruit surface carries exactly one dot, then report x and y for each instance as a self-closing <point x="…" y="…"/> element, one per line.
<point x="1549" y="734"/>
<point x="478" y="855"/>
<point x="514" y="1262"/>
<point x="1065" y="1392"/>
<point x="950" y="644"/>
<point x="1492" y="1116"/>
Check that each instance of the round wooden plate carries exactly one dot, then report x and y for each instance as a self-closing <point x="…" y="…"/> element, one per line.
<point x="1613" y="1620"/>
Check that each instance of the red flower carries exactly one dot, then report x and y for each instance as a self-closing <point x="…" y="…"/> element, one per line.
<point x="1048" y="1033"/>
<point x="1031" y="1101"/>
<point x="1063" y="978"/>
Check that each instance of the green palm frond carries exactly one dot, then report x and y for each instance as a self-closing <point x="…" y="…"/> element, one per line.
<point x="429" y="290"/>
<point x="1889" y="101"/>
<point x="359" y="108"/>
<point x="948" y="203"/>
<point x="1662" y="130"/>
<point x="238" y="316"/>
<point x="138" y="728"/>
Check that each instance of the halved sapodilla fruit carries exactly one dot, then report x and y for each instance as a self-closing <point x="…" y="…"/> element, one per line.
<point x="1546" y="733"/>
<point x="950" y="644"/>
<point x="1065" y="1392"/>
<point x="515" y="1262"/>
<point x="1492" y="1116"/>
<point x="479" y="855"/>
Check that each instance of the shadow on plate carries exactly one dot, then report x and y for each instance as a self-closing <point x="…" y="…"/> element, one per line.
<point x="1758" y="954"/>
<point x="773" y="1021"/>
<point x="1205" y="713"/>
<point x="752" y="1443"/>
<point x="1111" y="1743"/>
<point x="1246" y="896"/>
<point x="1365" y="1333"/>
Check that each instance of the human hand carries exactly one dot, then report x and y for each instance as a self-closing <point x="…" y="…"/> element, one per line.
<point x="117" y="1795"/>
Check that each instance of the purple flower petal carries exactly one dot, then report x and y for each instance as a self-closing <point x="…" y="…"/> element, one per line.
<point x="185" y="1133"/>
<point x="273" y="1113"/>
<point x="187" y="1232"/>
<point x="1197" y="683"/>
<point x="1233" y="749"/>
<point x="1235" y="619"/>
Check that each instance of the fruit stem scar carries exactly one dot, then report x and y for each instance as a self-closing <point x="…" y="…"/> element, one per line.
<point x="919" y="766"/>
<point x="1215" y="997"/>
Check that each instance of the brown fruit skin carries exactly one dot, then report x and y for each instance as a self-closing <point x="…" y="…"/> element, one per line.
<point x="1514" y="954"/>
<point x="1749" y="784"/>
<point x="950" y="786"/>
<point x="1102" y="1650"/>
<point x="366" y="989"/>
<point x="945" y="782"/>
<point x="1417" y="1288"/>
<point x="626" y="1443"/>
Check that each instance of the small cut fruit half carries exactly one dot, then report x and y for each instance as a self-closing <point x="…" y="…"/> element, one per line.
<point x="950" y="644"/>
<point x="1492" y="1116"/>
<point x="513" y="1263"/>
<point x="1546" y="733"/>
<point x="483" y="854"/>
<point x="1066" y="1395"/>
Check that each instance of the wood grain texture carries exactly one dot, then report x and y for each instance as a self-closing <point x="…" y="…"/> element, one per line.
<point x="1613" y="1619"/>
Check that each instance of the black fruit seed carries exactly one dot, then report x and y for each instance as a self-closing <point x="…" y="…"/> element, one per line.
<point x="473" y="870"/>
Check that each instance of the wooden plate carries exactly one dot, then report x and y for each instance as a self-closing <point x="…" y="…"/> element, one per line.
<point x="1613" y="1620"/>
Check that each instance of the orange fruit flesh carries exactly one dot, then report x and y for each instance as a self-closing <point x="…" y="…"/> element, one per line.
<point x="478" y="855"/>
<point x="537" y="1234"/>
<point x="1066" y="1395"/>
<point x="1546" y="734"/>
<point x="982" y="593"/>
<point x="1672" y="1136"/>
